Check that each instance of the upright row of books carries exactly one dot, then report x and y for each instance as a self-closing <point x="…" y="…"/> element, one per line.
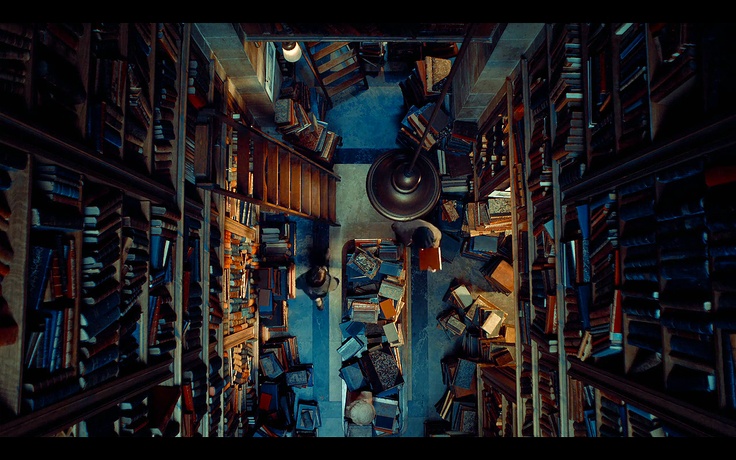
<point x="618" y="242"/>
<point x="110" y="271"/>
<point x="113" y="86"/>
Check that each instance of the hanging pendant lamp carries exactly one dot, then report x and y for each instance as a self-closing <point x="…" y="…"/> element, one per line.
<point x="404" y="186"/>
<point x="292" y="51"/>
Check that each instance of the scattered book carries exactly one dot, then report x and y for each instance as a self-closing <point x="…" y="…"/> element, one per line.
<point x="350" y="348"/>
<point x="381" y="369"/>
<point x="391" y="290"/>
<point x="353" y="376"/>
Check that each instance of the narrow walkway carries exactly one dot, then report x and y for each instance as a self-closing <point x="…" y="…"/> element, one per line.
<point x="368" y="121"/>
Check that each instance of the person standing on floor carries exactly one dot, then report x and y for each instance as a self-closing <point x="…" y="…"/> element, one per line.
<point x="317" y="282"/>
<point x="417" y="233"/>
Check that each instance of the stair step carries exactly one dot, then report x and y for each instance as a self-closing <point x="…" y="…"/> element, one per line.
<point x="332" y="90"/>
<point x="327" y="50"/>
<point x="334" y="76"/>
<point x="332" y="63"/>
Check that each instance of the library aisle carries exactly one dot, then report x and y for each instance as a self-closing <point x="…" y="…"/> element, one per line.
<point x="368" y="120"/>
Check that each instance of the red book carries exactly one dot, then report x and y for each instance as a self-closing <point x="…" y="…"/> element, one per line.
<point x="161" y="403"/>
<point x="430" y="259"/>
<point x="187" y="397"/>
<point x="264" y="403"/>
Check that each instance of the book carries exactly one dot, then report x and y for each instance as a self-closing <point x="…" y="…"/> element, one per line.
<point x="107" y="372"/>
<point x="364" y="262"/>
<point x="391" y="290"/>
<point x="430" y="258"/>
<point x="450" y="247"/>
<point x="308" y="415"/>
<point x="162" y="401"/>
<point x="95" y="318"/>
<point x="59" y="392"/>
<point x="501" y="275"/>
<point x="350" y="348"/>
<point x="353" y="376"/>
<point x="393" y="336"/>
<point x="270" y="365"/>
<point x="381" y="369"/>
<point x="461" y="296"/>
<point x="493" y="323"/>
<point x="364" y="311"/>
<point x="39" y="273"/>
<point x="96" y="361"/>
<point x="359" y="431"/>
<point x="41" y="383"/>
<point x="265" y="303"/>
<point x="388" y="308"/>
<point x="464" y="377"/>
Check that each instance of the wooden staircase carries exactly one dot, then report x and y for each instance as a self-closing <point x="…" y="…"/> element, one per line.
<point x="336" y="66"/>
<point x="283" y="179"/>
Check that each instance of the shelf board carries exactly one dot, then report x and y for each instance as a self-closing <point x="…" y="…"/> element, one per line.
<point x="57" y="417"/>
<point x="696" y="420"/>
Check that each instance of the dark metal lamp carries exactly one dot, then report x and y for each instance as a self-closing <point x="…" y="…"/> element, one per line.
<point x="401" y="186"/>
<point x="400" y="191"/>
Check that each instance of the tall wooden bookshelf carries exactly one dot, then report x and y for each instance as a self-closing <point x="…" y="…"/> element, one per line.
<point x="635" y="205"/>
<point x="105" y="114"/>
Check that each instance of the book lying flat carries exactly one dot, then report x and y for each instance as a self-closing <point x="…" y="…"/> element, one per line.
<point x="391" y="290"/>
<point x="381" y="369"/>
<point x="350" y="348"/>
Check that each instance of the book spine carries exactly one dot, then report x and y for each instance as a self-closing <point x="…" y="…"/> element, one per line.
<point x="106" y="356"/>
<point x="107" y="372"/>
<point x="54" y="395"/>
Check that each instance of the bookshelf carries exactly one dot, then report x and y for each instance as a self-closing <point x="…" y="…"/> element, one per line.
<point x="638" y="119"/>
<point x="144" y="117"/>
<point x="606" y="241"/>
<point x="105" y="118"/>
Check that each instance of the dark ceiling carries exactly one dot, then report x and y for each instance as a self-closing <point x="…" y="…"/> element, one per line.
<point x="364" y="31"/>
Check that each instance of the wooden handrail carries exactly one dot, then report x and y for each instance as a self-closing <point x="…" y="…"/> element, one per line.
<point x="239" y="125"/>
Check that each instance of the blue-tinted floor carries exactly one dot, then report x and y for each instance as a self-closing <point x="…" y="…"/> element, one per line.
<point x="368" y="121"/>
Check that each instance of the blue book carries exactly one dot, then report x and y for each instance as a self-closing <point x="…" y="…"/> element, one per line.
<point x="390" y="268"/>
<point x="107" y="372"/>
<point x="103" y="357"/>
<point x="38" y="274"/>
<point x="353" y="376"/>
<point x="450" y="247"/>
<point x="265" y="302"/>
<point x="51" y="320"/>
<point x="93" y="319"/>
<point x="484" y="243"/>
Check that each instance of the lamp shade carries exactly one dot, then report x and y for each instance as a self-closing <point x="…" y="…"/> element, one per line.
<point x="399" y="192"/>
<point x="292" y="51"/>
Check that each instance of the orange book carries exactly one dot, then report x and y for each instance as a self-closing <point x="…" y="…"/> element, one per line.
<point x="387" y="308"/>
<point x="430" y="259"/>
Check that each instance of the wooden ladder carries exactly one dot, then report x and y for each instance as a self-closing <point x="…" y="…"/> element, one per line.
<point x="336" y="67"/>
<point x="283" y="179"/>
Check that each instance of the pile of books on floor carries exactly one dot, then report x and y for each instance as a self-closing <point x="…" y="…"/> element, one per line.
<point x="481" y="324"/>
<point x="372" y="335"/>
<point x="279" y="412"/>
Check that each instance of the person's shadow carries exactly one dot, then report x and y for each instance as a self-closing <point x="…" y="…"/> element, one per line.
<point x="318" y="256"/>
